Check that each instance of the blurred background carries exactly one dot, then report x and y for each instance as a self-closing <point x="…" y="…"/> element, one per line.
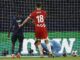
<point x="63" y="20"/>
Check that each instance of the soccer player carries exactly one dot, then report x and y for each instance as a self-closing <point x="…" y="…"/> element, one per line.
<point x="39" y="16"/>
<point x="17" y="33"/>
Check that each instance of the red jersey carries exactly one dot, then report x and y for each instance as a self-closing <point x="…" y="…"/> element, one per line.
<point x="38" y="17"/>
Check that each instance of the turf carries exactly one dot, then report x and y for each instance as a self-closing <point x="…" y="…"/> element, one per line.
<point x="37" y="58"/>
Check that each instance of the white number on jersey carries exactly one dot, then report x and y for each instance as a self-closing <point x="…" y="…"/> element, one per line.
<point x="40" y="18"/>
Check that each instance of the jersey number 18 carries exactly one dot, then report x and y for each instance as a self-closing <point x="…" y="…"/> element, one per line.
<point x="40" y="18"/>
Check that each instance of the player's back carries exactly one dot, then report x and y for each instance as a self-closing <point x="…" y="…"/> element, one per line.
<point x="39" y="17"/>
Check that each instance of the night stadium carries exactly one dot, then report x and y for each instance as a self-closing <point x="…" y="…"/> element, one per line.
<point x="63" y="28"/>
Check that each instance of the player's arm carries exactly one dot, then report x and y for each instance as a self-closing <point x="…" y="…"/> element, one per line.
<point x="11" y="26"/>
<point x="9" y="30"/>
<point x="25" y="21"/>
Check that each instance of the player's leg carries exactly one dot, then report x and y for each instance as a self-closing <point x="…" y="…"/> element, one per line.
<point x="38" y="40"/>
<point x="38" y="44"/>
<point x="45" y="37"/>
<point x="49" y="48"/>
<point x="14" y="38"/>
<point x="20" y="39"/>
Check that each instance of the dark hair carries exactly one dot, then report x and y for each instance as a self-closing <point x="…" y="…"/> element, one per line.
<point x="38" y="5"/>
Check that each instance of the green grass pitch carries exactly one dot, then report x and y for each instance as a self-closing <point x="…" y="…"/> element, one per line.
<point x="38" y="58"/>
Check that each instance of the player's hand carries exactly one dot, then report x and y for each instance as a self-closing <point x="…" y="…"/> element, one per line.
<point x="20" y="25"/>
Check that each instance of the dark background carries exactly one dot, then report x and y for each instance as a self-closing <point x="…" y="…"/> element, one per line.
<point x="63" y="15"/>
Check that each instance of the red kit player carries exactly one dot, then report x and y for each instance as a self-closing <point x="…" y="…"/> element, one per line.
<point x="39" y="16"/>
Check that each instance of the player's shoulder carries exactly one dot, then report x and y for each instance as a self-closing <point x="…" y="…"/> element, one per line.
<point x="44" y="11"/>
<point x="34" y="11"/>
<point x="39" y="11"/>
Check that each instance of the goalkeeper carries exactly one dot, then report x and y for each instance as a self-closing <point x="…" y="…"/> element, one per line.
<point x="17" y="33"/>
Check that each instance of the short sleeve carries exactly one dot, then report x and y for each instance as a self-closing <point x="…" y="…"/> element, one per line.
<point x="31" y="15"/>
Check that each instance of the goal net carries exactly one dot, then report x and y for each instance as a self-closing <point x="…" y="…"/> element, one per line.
<point x="62" y="22"/>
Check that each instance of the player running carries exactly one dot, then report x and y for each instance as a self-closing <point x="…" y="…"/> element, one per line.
<point x="17" y="33"/>
<point x="39" y="16"/>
